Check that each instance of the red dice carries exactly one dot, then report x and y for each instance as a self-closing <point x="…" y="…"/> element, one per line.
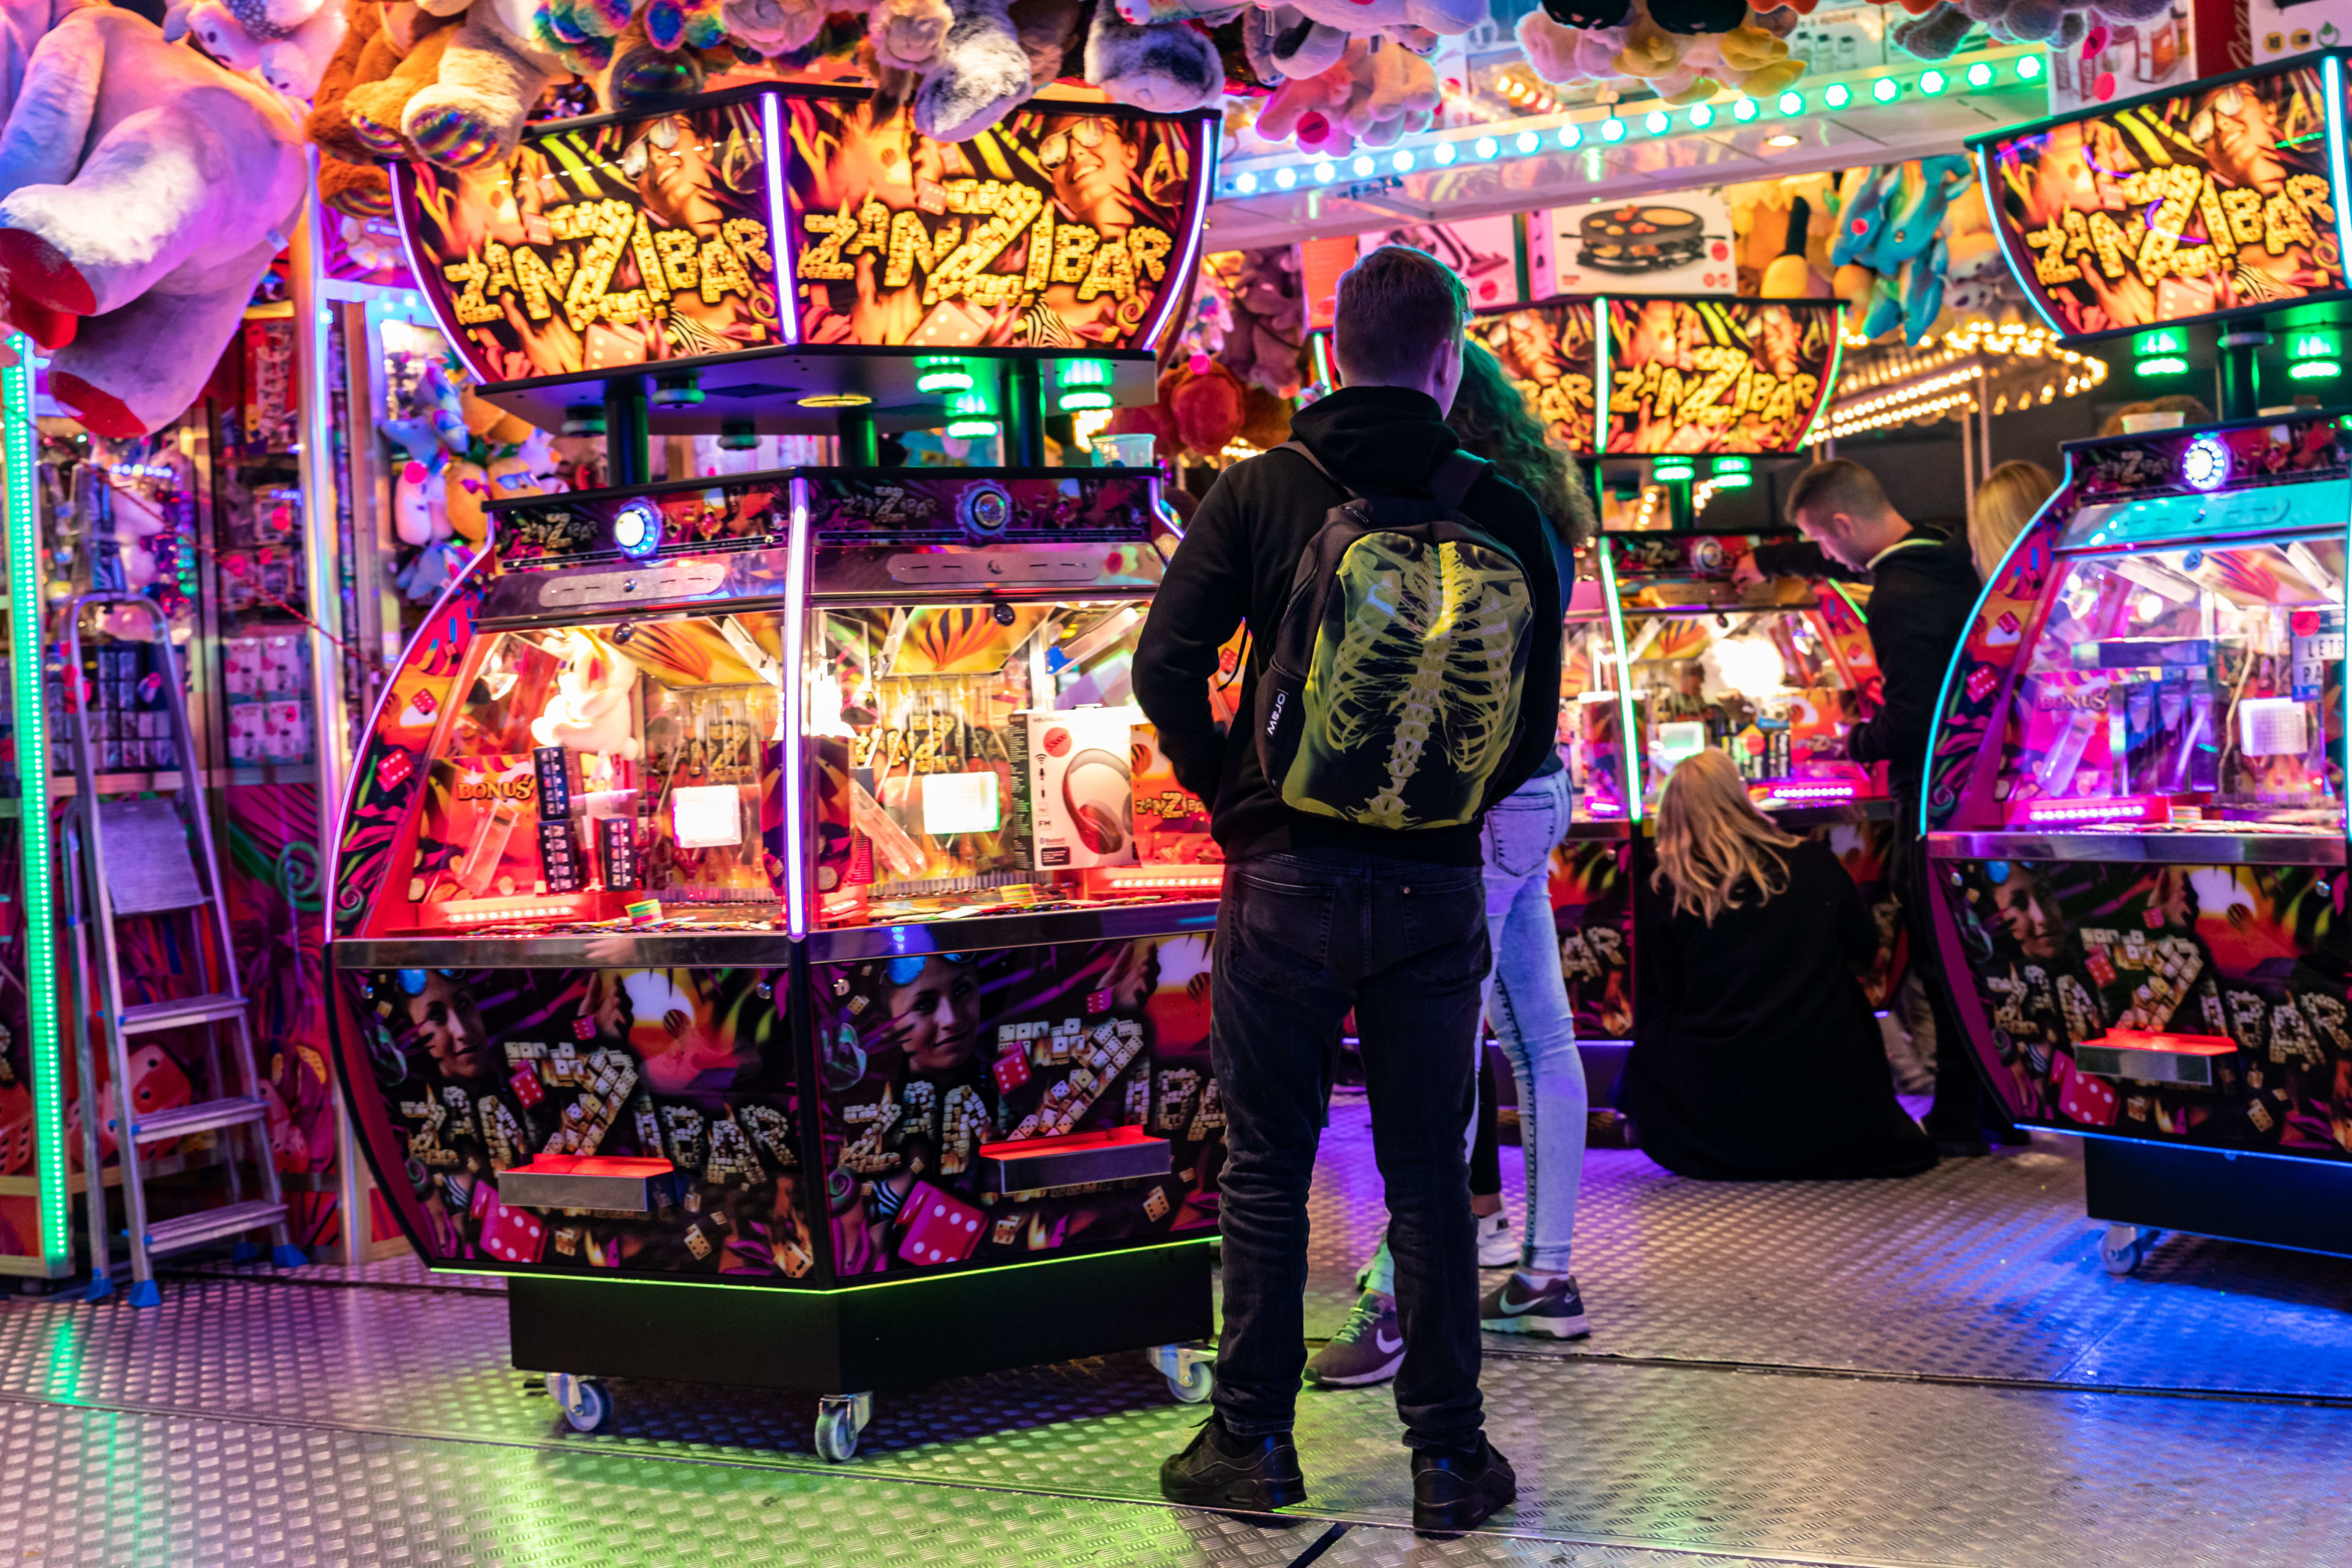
<point x="2092" y="1101"/>
<point x="513" y="1236"/>
<point x="526" y="1085"/>
<point x="1012" y="1071"/>
<point x="393" y="767"/>
<point x="939" y="1229"/>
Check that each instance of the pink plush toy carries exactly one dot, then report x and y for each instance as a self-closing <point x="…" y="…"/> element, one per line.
<point x="1563" y="55"/>
<point x="143" y="190"/>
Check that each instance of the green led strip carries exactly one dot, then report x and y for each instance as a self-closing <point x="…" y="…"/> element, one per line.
<point x="33" y="818"/>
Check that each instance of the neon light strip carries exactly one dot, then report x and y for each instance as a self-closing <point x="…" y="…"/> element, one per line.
<point x="2331" y="76"/>
<point x="1600" y="394"/>
<point x="2102" y="811"/>
<point x="1829" y="379"/>
<point x="1812" y="792"/>
<point x="2022" y="272"/>
<point x="898" y="1282"/>
<point x="38" y="851"/>
<point x="780" y="219"/>
<point x="1631" y="743"/>
<point x="1196" y="211"/>
<point x="797" y="873"/>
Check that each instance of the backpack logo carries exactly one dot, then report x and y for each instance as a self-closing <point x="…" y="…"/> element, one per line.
<point x="1273" y="720"/>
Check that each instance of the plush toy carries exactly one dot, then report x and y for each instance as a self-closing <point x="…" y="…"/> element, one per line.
<point x="1562" y="55"/>
<point x="1166" y="67"/>
<point x="1281" y="44"/>
<point x="490" y="74"/>
<point x="1358" y="18"/>
<point x="135" y="283"/>
<point x="420" y="511"/>
<point x="367" y="118"/>
<point x="908" y="34"/>
<point x="772" y="28"/>
<point x="465" y="495"/>
<point x="354" y="190"/>
<point x="1307" y="109"/>
<point x="1046" y="30"/>
<point x="590" y="709"/>
<point x="979" y="75"/>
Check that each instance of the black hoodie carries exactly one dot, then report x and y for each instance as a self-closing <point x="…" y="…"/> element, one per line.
<point x="1235" y="564"/>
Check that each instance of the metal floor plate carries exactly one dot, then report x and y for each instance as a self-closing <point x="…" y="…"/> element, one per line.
<point x="1918" y="1373"/>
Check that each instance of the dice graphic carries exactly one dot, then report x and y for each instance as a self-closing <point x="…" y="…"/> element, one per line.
<point x="526" y="1086"/>
<point x="2092" y="1101"/>
<point x="1012" y="1071"/>
<point x="513" y="1236"/>
<point x="394" y="768"/>
<point x="939" y="1229"/>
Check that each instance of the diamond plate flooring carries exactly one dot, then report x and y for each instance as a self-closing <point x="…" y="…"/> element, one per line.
<point x="1936" y="1371"/>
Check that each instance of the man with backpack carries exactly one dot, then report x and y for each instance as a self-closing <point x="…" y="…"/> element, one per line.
<point x="1402" y="675"/>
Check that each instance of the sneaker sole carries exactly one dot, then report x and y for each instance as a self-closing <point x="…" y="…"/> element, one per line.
<point x="1357" y="1380"/>
<point x="1575" y="1328"/>
<point x="1248" y="1496"/>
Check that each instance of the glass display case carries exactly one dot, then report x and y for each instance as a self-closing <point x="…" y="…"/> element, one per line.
<point x="2137" y="813"/>
<point x="1775" y="675"/>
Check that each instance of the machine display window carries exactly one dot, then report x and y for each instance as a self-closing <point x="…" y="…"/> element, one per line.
<point x="984" y="759"/>
<point x="2196" y="687"/>
<point x="1591" y="721"/>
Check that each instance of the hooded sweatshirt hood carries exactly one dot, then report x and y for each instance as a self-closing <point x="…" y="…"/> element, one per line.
<point x="1384" y="440"/>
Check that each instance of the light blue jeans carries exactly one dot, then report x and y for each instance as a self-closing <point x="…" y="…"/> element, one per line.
<point x="1526" y="1004"/>
<point x="1526" y="1001"/>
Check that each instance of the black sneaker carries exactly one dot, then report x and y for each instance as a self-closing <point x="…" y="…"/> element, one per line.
<point x="1514" y="1306"/>
<point x="1219" y="1470"/>
<point x="1368" y="1348"/>
<point x="1456" y="1489"/>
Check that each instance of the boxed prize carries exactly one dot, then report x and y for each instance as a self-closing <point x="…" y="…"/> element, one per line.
<point x="1171" y="824"/>
<point x="1073" y="787"/>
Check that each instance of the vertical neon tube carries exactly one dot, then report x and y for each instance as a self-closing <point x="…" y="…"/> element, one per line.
<point x="2331" y="76"/>
<point x="1601" y="377"/>
<point x="798" y="874"/>
<point x="1829" y="379"/>
<point x="24" y="604"/>
<point x="780" y="220"/>
<point x="1631" y="742"/>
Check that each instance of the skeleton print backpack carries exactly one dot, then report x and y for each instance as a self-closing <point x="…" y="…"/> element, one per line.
<point x="1392" y="697"/>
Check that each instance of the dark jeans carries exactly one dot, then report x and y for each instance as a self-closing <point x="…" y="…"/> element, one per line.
<point x="1301" y="939"/>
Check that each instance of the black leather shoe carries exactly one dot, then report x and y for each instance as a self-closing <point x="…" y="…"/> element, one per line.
<point x="1456" y="1489"/>
<point x="1220" y="1470"/>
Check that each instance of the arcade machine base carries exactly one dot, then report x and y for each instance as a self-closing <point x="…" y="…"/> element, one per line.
<point x="843" y="1344"/>
<point x="2141" y="1189"/>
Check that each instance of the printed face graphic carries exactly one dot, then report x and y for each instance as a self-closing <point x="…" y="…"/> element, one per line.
<point x="935" y="1016"/>
<point x="445" y="1019"/>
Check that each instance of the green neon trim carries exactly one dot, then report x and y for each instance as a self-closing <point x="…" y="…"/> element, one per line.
<point x="2313" y="345"/>
<point x="1628" y="746"/>
<point x="682" y="1282"/>
<point x="1085" y="372"/>
<point x="1673" y="470"/>
<point x="2171" y="365"/>
<point x="1084" y="398"/>
<point x="38" y="848"/>
<point x="1600" y="373"/>
<point x="1731" y="465"/>
<point x="2314" y="370"/>
<point x="966" y="429"/>
<point x="2162" y="340"/>
<point x="1829" y="380"/>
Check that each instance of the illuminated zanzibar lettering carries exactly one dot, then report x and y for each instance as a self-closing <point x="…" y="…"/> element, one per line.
<point x="1727" y="385"/>
<point x="573" y="272"/>
<point x="2162" y="204"/>
<point x="956" y="262"/>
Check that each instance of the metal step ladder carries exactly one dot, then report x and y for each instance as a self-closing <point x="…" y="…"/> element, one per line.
<point x="127" y="856"/>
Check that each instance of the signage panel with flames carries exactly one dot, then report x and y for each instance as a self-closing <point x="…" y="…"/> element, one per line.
<point x="2218" y="200"/>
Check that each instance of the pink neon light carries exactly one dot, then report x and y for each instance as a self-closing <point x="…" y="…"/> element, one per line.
<point x="2128" y="809"/>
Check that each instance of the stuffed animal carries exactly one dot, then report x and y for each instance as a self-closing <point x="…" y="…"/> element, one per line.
<point x="1167" y="67"/>
<point x="1561" y="55"/>
<point x="979" y="75"/>
<point x="136" y="283"/>
<point x="354" y="190"/>
<point x="1359" y="18"/>
<point x="490" y="74"/>
<point x="370" y="112"/>
<point x="1046" y="30"/>
<point x="1281" y="44"/>
<point x="908" y="34"/>
<point x="590" y="709"/>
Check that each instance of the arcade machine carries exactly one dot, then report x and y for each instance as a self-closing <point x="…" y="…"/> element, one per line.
<point x="764" y="927"/>
<point x="2135" y="794"/>
<point x="1662" y="646"/>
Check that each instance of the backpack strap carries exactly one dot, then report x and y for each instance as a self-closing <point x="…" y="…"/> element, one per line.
<point x="1301" y="447"/>
<point x="1451" y="484"/>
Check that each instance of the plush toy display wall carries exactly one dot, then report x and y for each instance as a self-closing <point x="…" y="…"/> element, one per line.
<point x="143" y="190"/>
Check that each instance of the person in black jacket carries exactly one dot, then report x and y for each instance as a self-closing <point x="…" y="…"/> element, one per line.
<point x="1320" y="915"/>
<point x="1760" y="1060"/>
<point x="1924" y="588"/>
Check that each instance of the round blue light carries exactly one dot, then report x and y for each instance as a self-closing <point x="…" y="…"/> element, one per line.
<point x="1570" y="135"/>
<point x="1402" y="162"/>
<point x="1363" y="167"/>
<point x="1442" y="154"/>
<point x="637" y="529"/>
<point x="1323" y="172"/>
<point x="1656" y="122"/>
<point x="1527" y="141"/>
<point x="1285" y="178"/>
<point x="1245" y="182"/>
<point x="1487" y="147"/>
<point x="2205" y="466"/>
<point x="1613" y="130"/>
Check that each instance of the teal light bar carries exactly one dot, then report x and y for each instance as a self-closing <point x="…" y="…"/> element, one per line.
<point x="38" y="848"/>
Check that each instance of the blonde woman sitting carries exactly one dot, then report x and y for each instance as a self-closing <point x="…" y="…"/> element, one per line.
<point x="1755" y="1057"/>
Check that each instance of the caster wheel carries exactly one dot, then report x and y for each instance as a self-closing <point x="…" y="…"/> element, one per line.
<point x="584" y="1399"/>
<point x="1194" y="1384"/>
<point x="841" y="1420"/>
<point x="1190" y="1369"/>
<point x="2124" y="1247"/>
